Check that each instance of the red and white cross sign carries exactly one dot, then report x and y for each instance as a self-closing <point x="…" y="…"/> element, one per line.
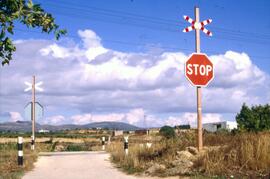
<point x="197" y="25"/>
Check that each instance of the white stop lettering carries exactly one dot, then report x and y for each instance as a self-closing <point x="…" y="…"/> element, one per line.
<point x="197" y="69"/>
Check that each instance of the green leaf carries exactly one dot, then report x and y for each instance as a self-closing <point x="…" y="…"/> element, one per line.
<point x="26" y="12"/>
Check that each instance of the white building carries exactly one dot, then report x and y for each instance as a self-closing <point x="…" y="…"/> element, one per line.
<point x="213" y="127"/>
<point x="43" y="131"/>
<point x="118" y="132"/>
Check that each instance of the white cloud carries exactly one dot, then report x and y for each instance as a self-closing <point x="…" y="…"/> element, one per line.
<point x="57" y="51"/>
<point x="81" y="119"/>
<point x="135" y="116"/>
<point x="58" y="119"/>
<point x="92" y="43"/>
<point x="241" y="61"/>
<point x="191" y="119"/>
<point x="108" y="117"/>
<point x="15" y="116"/>
<point x="121" y="86"/>
<point x="90" y="38"/>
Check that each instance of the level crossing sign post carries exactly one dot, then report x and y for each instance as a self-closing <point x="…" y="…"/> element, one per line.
<point x="34" y="86"/>
<point x="198" y="68"/>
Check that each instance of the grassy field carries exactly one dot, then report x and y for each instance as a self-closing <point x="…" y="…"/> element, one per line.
<point x="9" y="168"/>
<point x="243" y="155"/>
<point x="225" y="155"/>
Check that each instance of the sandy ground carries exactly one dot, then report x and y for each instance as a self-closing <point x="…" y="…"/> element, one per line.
<point x="79" y="165"/>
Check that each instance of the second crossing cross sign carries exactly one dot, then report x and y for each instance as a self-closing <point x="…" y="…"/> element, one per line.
<point x="198" y="25"/>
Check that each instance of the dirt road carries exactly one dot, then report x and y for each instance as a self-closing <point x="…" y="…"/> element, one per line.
<point x="79" y="165"/>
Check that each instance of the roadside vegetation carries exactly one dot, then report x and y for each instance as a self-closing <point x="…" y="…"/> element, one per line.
<point x="242" y="153"/>
<point x="224" y="155"/>
<point x="9" y="168"/>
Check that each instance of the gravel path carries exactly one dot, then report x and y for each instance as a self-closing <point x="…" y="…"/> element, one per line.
<point x="76" y="165"/>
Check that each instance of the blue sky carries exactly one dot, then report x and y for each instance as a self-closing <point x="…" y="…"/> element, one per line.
<point x="239" y="25"/>
<point x="148" y="31"/>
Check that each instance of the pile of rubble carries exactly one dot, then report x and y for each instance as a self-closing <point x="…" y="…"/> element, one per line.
<point x="182" y="165"/>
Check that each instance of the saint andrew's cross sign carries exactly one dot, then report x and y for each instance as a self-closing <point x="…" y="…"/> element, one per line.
<point x="197" y="25"/>
<point x="199" y="69"/>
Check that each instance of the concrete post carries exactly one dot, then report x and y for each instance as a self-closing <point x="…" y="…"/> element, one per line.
<point x="126" y="145"/>
<point x="103" y="143"/>
<point x="20" y="151"/>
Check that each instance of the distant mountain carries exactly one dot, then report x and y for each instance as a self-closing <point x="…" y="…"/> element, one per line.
<point x="112" y="125"/>
<point x="26" y="126"/>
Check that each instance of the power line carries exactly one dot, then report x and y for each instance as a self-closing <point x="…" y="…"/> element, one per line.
<point x="147" y="45"/>
<point x="82" y="13"/>
<point x="122" y="14"/>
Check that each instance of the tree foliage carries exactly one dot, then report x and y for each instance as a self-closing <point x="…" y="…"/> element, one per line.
<point x="167" y="132"/>
<point x="256" y="118"/>
<point x="27" y="13"/>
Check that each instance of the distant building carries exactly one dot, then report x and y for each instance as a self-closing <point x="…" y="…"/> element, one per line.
<point x="43" y="131"/>
<point x="154" y="130"/>
<point x="142" y="132"/>
<point x="186" y="126"/>
<point x="130" y="132"/>
<point x="213" y="127"/>
<point x="118" y="132"/>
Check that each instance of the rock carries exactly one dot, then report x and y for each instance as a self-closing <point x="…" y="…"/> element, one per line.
<point x="184" y="155"/>
<point x="182" y="162"/>
<point x="182" y="165"/>
<point x="59" y="148"/>
<point x="148" y="145"/>
<point x="192" y="150"/>
<point x="155" y="168"/>
<point x="180" y="168"/>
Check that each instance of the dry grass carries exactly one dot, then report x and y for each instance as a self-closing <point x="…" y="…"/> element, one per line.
<point x="8" y="159"/>
<point x="140" y="157"/>
<point x="240" y="155"/>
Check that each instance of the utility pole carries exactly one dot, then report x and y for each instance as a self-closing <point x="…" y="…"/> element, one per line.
<point x="201" y="79"/>
<point x="33" y="113"/>
<point x="199" y="89"/>
<point x="145" y="124"/>
<point x="34" y="86"/>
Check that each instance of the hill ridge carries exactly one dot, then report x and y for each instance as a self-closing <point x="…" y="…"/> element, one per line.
<point x="25" y="126"/>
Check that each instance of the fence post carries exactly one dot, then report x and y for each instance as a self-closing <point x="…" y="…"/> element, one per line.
<point x="32" y="142"/>
<point x="109" y="140"/>
<point x="126" y="145"/>
<point x="20" y="151"/>
<point x="103" y="143"/>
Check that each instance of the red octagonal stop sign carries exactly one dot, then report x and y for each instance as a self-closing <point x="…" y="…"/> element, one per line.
<point x="199" y="69"/>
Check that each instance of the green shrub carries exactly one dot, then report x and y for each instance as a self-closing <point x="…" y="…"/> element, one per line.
<point x="167" y="132"/>
<point x="75" y="147"/>
<point x="255" y="118"/>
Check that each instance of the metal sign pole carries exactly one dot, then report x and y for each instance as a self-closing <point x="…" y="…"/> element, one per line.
<point x="199" y="89"/>
<point x="33" y="112"/>
<point x="197" y="26"/>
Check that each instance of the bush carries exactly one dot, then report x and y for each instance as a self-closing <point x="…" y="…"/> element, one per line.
<point x="167" y="132"/>
<point x="76" y="147"/>
<point x="256" y="118"/>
